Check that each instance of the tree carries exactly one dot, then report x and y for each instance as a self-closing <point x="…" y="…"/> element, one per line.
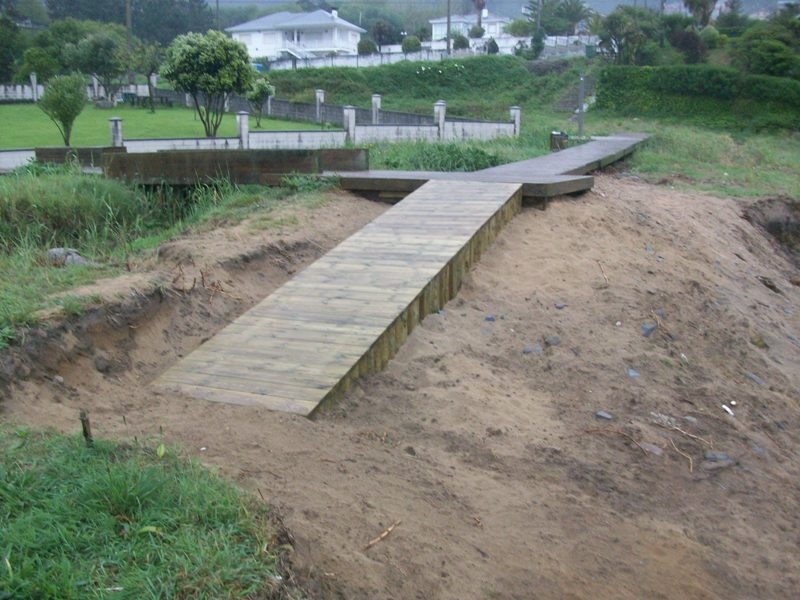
<point x="625" y="33"/>
<point x="573" y="12"/>
<point x="476" y="32"/>
<point x="701" y="10"/>
<point x="11" y="46"/>
<point x="544" y="14"/>
<point x="209" y="68"/>
<point x="411" y="43"/>
<point x="460" y="42"/>
<point x="520" y="28"/>
<point x="732" y="18"/>
<point x="492" y="47"/>
<point x="258" y="95"/>
<point x="37" y="60"/>
<point x="690" y="44"/>
<point x="479" y="6"/>
<point x="104" y="55"/>
<point x="147" y="61"/>
<point x="63" y="100"/>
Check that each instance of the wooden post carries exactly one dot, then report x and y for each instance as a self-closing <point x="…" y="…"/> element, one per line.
<point x="87" y="428"/>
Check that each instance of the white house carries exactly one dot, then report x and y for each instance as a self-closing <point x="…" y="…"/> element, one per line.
<point x="492" y="24"/>
<point x="302" y="35"/>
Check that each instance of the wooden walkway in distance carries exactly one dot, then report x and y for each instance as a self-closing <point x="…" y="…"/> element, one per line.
<point x="555" y="174"/>
<point x="348" y="313"/>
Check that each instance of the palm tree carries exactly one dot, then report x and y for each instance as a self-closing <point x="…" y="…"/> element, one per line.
<point x="573" y="12"/>
<point x="479" y="6"/>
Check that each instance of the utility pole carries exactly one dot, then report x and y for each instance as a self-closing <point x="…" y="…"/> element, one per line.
<point x="217" y="15"/>
<point x="448" y="27"/>
<point x="129" y="25"/>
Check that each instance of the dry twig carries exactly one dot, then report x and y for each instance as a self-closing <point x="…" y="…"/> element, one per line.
<point x="603" y="271"/>
<point x="682" y="453"/>
<point x="616" y="431"/>
<point x="383" y="535"/>
<point x="708" y="443"/>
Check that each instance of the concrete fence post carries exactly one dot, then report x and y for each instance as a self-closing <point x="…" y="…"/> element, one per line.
<point x="95" y="88"/>
<point x="516" y="118"/>
<point x="115" y="127"/>
<point x="35" y="87"/>
<point x="376" y="109"/>
<point x="350" y="123"/>
<point x="320" y="99"/>
<point x="269" y="106"/>
<point x="243" y="129"/>
<point x="439" y="113"/>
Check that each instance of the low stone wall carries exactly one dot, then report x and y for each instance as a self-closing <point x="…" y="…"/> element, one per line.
<point x="296" y="140"/>
<point x="155" y="145"/>
<point x="183" y="167"/>
<point x="465" y="130"/>
<point x="366" y="134"/>
<point x="86" y="157"/>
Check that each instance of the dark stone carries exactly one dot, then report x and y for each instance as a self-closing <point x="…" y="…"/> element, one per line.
<point x="560" y="306"/>
<point x="535" y="349"/>
<point x="102" y="363"/>
<point x="754" y="378"/>
<point x="648" y="328"/>
<point x="410" y="450"/>
<point x="490" y="318"/>
<point x="552" y="340"/>
<point x="713" y="456"/>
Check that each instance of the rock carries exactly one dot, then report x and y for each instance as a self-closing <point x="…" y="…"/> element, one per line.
<point x="690" y="419"/>
<point x="708" y="465"/>
<point x="560" y="306"/>
<point x="663" y="420"/>
<point x="754" y="378"/>
<point x="102" y="363"/>
<point x="713" y="456"/>
<point x="661" y="313"/>
<point x="410" y="450"/>
<point x="490" y="318"/>
<point x="648" y="327"/>
<point x="493" y="431"/>
<point x="649" y="249"/>
<point x="633" y="373"/>
<point x="535" y="349"/>
<point x="63" y="257"/>
<point x="652" y="448"/>
<point x="758" y="450"/>
<point x="58" y="379"/>
<point x="552" y="340"/>
<point x="601" y="414"/>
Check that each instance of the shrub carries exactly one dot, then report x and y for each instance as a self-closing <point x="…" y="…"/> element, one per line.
<point x="63" y="100"/>
<point x="366" y="47"/>
<point x="476" y="32"/>
<point x="492" y="47"/>
<point x="460" y="42"/>
<point x="411" y="43"/>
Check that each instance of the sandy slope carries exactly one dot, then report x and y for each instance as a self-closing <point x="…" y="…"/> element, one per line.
<point x="482" y="439"/>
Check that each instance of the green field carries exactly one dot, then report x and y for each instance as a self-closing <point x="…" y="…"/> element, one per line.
<point x="26" y="126"/>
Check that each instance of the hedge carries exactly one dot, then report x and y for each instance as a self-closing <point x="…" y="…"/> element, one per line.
<point x="714" y="95"/>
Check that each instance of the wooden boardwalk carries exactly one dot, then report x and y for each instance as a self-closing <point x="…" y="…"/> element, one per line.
<point x="348" y="313"/>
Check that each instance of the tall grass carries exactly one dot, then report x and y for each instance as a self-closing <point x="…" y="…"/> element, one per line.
<point x="125" y="521"/>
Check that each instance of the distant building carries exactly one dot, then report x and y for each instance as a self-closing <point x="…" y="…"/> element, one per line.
<point x="299" y="35"/>
<point x="491" y="23"/>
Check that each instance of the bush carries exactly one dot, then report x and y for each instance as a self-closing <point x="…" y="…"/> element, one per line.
<point x="476" y="32"/>
<point x="411" y="43"/>
<point x="460" y="42"/>
<point x="366" y="47"/>
<point x="712" y="95"/>
<point x="492" y="47"/>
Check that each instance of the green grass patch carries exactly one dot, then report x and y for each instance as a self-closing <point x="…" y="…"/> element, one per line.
<point x="124" y="521"/>
<point x="726" y="163"/>
<point x="26" y="126"/>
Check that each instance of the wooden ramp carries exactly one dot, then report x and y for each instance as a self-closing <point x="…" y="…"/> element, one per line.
<point x="555" y="174"/>
<point x="348" y="313"/>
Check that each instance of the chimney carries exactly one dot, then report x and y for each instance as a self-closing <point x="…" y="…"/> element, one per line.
<point x="485" y="13"/>
<point x="334" y="13"/>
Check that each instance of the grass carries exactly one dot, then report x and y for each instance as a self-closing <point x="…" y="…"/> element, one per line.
<point x="724" y="163"/>
<point x="125" y="521"/>
<point x="108" y="223"/>
<point x="26" y="126"/>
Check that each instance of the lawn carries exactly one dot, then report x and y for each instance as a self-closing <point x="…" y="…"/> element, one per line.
<point x="26" y="126"/>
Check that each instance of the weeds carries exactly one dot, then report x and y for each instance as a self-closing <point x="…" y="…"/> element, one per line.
<point x="126" y="520"/>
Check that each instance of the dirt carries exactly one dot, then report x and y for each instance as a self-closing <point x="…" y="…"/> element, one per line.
<point x="480" y="441"/>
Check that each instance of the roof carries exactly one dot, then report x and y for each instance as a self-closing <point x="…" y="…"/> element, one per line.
<point x="287" y="20"/>
<point x="471" y="18"/>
